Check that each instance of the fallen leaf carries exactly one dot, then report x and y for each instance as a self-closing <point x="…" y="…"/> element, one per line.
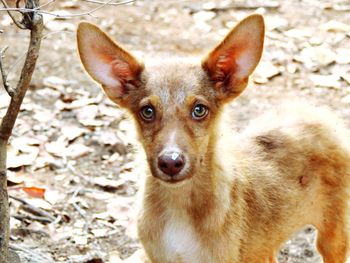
<point x="34" y="191"/>
<point x="114" y="257"/>
<point x="138" y="257"/>
<point x="107" y="137"/>
<point x="13" y="178"/>
<point x="71" y="132"/>
<point x="100" y="232"/>
<point x="346" y="77"/>
<point x="204" y="16"/>
<point x="57" y="148"/>
<point x="88" y="112"/>
<point x="108" y="183"/>
<point x="75" y="104"/>
<point x="298" y="33"/>
<point x="52" y="196"/>
<point x="56" y="82"/>
<point x="77" y="150"/>
<point x="317" y="56"/>
<point x="328" y="81"/>
<point x="335" y="26"/>
<point x="39" y="202"/>
<point x="80" y="240"/>
<point x="343" y="56"/>
<point x="346" y="99"/>
<point x="265" y="71"/>
<point x="17" y="159"/>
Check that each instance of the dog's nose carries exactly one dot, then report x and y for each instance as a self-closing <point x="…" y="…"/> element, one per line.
<point x="171" y="163"/>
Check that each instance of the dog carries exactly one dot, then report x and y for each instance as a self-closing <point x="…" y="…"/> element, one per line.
<point x="214" y="196"/>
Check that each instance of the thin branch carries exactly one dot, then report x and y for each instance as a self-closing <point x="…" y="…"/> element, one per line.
<point x="87" y="13"/>
<point x="32" y="209"/>
<point x="12" y="17"/>
<point x="46" y="4"/>
<point x="3" y="74"/>
<point x="41" y="219"/>
<point x="113" y="4"/>
<point x="35" y="23"/>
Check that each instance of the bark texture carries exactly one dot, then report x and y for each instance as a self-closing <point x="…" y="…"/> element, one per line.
<point x="32" y="21"/>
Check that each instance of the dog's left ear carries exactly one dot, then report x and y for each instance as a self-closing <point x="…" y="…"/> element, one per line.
<point x="231" y="63"/>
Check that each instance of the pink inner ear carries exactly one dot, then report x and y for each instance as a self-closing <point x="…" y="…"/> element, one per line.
<point x="237" y="60"/>
<point x="121" y="70"/>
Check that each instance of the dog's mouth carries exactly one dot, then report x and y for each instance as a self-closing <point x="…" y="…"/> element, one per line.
<point x="172" y="179"/>
<point x="185" y="174"/>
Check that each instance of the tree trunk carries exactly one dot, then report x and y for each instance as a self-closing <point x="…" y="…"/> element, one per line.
<point x="4" y="208"/>
<point x="34" y="22"/>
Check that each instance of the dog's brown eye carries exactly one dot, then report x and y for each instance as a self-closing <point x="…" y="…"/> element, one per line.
<point x="147" y="113"/>
<point x="199" y="112"/>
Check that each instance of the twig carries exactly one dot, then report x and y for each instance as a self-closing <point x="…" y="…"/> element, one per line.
<point x="3" y="75"/>
<point x="32" y="209"/>
<point x="113" y="4"/>
<point x="80" y="211"/>
<point x="12" y="17"/>
<point x="41" y="219"/>
<point x="87" y="13"/>
<point x="36" y="26"/>
<point x="34" y="256"/>
<point x="46" y="4"/>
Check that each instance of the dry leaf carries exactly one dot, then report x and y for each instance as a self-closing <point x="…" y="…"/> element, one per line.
<point x="265" y="71"/>
<point x="298" y="33"/>
<point x="317" y="56"/>
<point x="71" y="132"/>
<point x="335" y="26"/>
<point x="40" y="203"/>
<point x="138" y="257"/>
<point x="17" y="159"/>
<point x="343" y="56"/>
<point x="114" y="257"/>
<point x="77" y="150"/>
<point x="346" y="99"/>
<point x="100" y="232"/>
<point x="14" y="178"/>
<point x="108" y="137"/>
<point x="328" y="81"/>
<point x="108" y="183"/>
<point x="56" y="82"/>
<point x="88" y="112"/>
<point x="80" y="240"/>
<point x="76" y="104"/>
<point x="34" y="191"/>
<point x="346" y="77"/>
<point x="56" y="148"/>
<point x="52" y="196"/>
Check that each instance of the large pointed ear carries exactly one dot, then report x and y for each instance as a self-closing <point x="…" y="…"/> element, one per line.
<point x="107" y="63"/>
<point x="235" y="58"/>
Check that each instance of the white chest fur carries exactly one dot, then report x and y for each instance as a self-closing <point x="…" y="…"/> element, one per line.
<point x="180" y="242"/>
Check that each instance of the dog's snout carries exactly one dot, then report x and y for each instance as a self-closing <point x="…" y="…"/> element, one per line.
<point x="171" y="163"/>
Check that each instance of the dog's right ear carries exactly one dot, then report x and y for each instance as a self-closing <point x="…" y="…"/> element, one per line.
<point x="107" y="63"/>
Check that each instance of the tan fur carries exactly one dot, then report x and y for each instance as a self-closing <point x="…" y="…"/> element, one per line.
<point x="239" y="196"/>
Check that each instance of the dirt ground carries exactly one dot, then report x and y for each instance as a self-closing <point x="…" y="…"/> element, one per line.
<point x="75" y="167"/>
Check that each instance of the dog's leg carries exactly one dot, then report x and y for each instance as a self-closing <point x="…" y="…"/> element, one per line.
<point x="333" y="240"/>
<point x="272" y="258"/>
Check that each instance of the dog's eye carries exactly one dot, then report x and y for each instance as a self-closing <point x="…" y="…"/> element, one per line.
<point x="199" y="112"/>
<point x="147" y="113"/>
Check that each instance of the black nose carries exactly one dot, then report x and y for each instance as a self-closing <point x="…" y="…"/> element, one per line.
<point x="171" y="163"/>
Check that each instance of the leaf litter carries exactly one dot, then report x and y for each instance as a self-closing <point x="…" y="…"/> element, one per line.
<point x="74" y="162"/>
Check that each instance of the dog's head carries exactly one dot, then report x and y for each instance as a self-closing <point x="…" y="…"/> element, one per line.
<point x="175" y="102"/>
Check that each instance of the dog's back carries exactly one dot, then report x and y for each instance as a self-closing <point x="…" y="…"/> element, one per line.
<point x="297" y="171"/>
